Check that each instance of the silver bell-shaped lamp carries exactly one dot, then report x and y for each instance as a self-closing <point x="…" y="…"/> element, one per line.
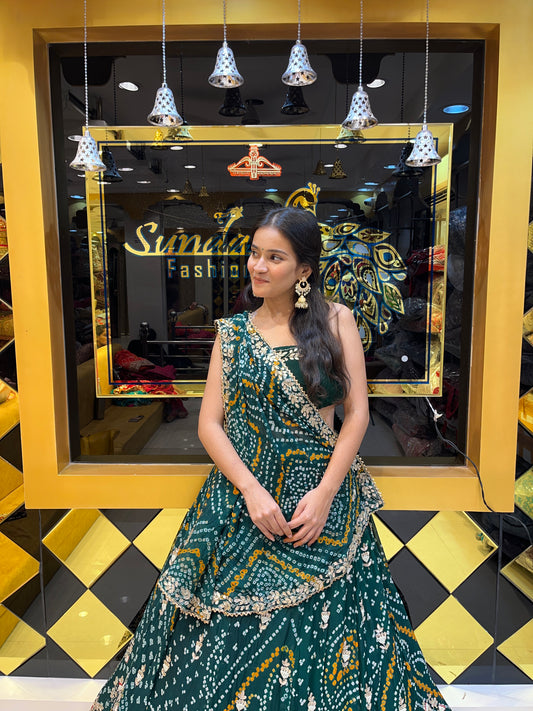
<point x="225" y="75"/>
<point x="360" y="114"/>
<point x="424" y="153"/>
<point x="164" y="112"/>
<point x="87" y="157"/>
<point x="299" y="71"/>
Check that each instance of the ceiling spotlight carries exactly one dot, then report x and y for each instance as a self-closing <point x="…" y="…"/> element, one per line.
<point x="271" y="190"/>
<point x="176" y="148"/>
<point x="365" y="190"/>
<point x="376" y="84"/>
<point x="390" y="166"/>
<point x="172" y="190"/>
<point x="144" y="182"/>
<point x="328" y="165"/>
<point x="128" y="86"/>
<point x="189" y="166"/>
<point x="76" y="197"/>
<point x="340" y="145"/>
<point x="370" y="183"/>
<point x="77" y="138"/>
<point x="456" y="109"/>
<point x="125" y="170"/>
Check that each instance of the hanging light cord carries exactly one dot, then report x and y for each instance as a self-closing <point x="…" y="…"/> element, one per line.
<point x="85" y="71"/>
<point x="402" y="88"/>
<point x="426" y="69"/>
<point x="224" y="18"/>
<point x="163" y="47"/>
<point x="114" y="93"/>
<point x="299" y="19"/>
<point x="361" y="47"/>
<point x="181" y="85"/>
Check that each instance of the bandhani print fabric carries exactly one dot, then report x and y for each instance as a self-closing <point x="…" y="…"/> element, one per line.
<point x="239" y="622"/>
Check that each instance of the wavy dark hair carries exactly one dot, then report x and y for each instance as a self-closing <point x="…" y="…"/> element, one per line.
<point x="320" y="350"/>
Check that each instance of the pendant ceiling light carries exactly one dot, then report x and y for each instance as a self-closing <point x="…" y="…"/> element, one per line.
<point x="232" y="105"/>
<point x="111" y="174"/>
<point x="424" y="153"/>
<point x="320" y="168"/>
<point x="337" y="172"/>
<point x="164" y="112"/>
<point x="360" y="114"/>
<point x="87" y="157"/>
<point x="299" y="71"/>
<point x="225" y="74"/>
<point x="187" y="188"/>
<point x="294" y="102"/>
<point x="402" y="169"/>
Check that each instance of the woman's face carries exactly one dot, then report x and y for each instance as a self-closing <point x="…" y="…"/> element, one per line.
<point x="273" y="265"/>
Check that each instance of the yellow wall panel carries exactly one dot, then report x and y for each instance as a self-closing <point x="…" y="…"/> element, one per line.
<point x="25" y="136"/>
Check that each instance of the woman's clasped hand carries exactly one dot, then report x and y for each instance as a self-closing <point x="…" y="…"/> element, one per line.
<point x="309" y="517"/>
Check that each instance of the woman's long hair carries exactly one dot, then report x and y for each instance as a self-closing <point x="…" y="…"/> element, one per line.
<point x="320" y="350"/>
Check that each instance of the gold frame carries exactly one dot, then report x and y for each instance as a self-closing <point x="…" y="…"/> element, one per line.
<point x="51" y="480"/>
<point x="430" y="383"/>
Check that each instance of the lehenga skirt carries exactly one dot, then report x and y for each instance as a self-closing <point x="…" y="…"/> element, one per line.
<point x="349" y="647"/>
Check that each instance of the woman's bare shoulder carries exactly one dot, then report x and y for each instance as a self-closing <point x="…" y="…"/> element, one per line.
<point x="340" y="312"/>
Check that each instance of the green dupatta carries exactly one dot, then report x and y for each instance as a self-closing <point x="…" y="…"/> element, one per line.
<point x="221" y="562"/>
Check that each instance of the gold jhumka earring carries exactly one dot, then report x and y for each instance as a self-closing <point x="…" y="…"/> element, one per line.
<point x="302" y="288"/>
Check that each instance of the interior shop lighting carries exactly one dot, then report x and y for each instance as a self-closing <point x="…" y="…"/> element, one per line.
<point x="77" y="197"/>
<point x="299" y="71"/>
<point x="390" y="166"/>
<point x="340" y="145"/>
<point x="376" y="84"/>
<point x="75" y="137"/>
<point x="225" y="74"/>
<point x="328" y="165"/>
<point x="424" y="153"/>
<point x="370" y="183"/>
<point x="128" y="86"/>
<point x="271" y="190"/>
<point x="176" y="148"/>
<point x="189" y="166"/>
<point x="144" y="182"/>
<point x="125" y="170"/>
<point x="87" y="157"/>
<point x="164" y="112"/>
<point x="172" y="190"/>
<point x="360" y="114"/>
<point x="456" y="109"/>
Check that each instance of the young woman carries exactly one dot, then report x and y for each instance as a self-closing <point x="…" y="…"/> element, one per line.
<point x="276" y="595"/>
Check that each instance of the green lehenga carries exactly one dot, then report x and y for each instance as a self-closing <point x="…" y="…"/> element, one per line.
<point x="240" y="622"/>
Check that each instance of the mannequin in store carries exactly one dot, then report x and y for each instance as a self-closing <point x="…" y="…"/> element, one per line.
<point x="276" y="595"/>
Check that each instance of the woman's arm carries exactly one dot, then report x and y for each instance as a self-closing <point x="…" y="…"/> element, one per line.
<point x="263" y="509"/>
<point x="356" y="415"/>
<point x="313" y="508"/>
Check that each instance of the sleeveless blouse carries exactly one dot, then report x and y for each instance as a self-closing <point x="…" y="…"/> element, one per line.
<point x="333" y="391"/>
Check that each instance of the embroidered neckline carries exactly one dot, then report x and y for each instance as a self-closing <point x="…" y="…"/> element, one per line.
<point x="250" y="320"/>
<point x="315" y="417"/>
